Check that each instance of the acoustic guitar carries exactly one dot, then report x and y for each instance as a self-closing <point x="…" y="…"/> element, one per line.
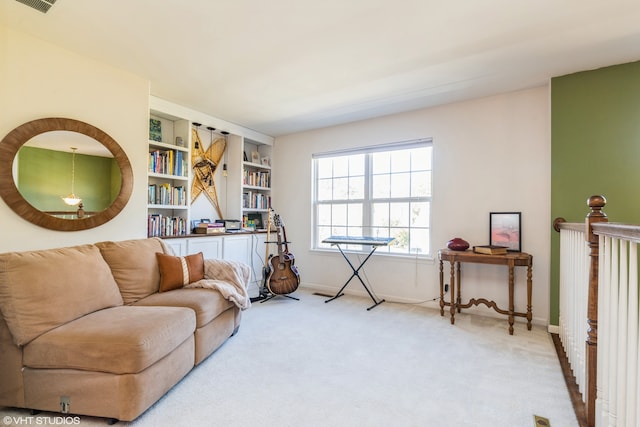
<point x="283" y="274"/>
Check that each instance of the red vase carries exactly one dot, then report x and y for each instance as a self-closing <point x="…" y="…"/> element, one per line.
<point x="458" y="244"/>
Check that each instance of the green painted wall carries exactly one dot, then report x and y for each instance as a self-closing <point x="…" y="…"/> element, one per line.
<point x="595" y="149"/>
<point x="45" y="175"/>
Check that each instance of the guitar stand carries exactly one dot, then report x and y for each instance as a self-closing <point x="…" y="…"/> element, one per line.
<point x="272" y="296"/>
<point x="265" y="293"/>
<point x="356" y="274"/>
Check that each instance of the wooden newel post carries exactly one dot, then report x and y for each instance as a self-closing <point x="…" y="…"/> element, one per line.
<point x="595" y="203"/>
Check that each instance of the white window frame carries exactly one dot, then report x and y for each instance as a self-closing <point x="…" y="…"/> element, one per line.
<point x="368" y="198"/>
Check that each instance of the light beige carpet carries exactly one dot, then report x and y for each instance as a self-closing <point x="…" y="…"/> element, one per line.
<point x="311" y="363"/>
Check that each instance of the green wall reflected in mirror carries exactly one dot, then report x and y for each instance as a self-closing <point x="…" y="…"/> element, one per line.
<point x="45" y="175"/>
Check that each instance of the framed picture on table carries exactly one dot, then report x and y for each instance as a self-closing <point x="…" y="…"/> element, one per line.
<point x="505" y="230"/>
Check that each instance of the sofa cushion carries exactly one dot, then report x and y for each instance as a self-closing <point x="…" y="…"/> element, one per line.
<point x="40" y="290"/>
<point x="177" y="271"/>
<point x="206" y="303"/>
<point x="119" y="340"/>
<point x="134" y="266"/>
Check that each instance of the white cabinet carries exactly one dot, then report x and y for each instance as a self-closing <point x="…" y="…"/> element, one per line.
<point x="257" y="260"/>
<point x="211" y="247"/>
<point x="236" y="248"/>
<point x="228" y="247"/>
<point x="179" y="246"/>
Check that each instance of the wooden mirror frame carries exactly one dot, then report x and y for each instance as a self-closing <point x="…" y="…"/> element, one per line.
<point x="15" y="139"/>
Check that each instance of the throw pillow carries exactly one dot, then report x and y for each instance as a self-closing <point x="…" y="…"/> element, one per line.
<point x="177" y="271"/>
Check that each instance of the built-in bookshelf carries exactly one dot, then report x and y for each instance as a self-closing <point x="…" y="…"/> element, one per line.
<point x="242" y="180"/>
<point x="168" y="175"/>
<point x="256" y="181"/>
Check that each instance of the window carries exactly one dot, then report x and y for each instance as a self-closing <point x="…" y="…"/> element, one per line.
<point x="379" y="191"/>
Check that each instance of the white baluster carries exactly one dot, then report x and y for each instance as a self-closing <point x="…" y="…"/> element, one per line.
<point x="621" y="378"/>
<point x="632" y="339"/>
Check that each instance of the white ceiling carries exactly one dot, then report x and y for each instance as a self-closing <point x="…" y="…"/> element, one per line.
<point x="282" y="66"/>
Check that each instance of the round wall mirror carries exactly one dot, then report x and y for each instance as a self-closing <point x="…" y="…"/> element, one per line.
<point x="45" y="162"/>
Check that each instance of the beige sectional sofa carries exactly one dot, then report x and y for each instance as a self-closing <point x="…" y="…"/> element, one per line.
<point x="86" y="330"/>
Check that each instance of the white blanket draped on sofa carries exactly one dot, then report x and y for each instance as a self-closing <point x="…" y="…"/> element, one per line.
<point x="230" y="278"/>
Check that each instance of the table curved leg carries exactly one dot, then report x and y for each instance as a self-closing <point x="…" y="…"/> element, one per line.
<point x="459" y="286"/>
<point x="453" y="298"/>
<point x="511" y="307"/>
<point x="441" y="289"/>
<point x="529" y="291"/>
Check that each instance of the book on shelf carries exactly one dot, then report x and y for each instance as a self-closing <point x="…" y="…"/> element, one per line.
<point x="256" y="179"/>
<point x="209" y="228"/>
<point x="168" y="162"/>
<point x="159" y="225"/>
<point x="166" y="194"/>
<point x="490" y="249"/>
<point x="255" y="200"/>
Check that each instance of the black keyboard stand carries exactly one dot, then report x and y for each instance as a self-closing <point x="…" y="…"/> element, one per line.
<point x="336" y="241"/>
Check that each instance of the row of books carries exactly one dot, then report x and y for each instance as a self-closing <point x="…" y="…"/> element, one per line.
<point x="256" y="179"/>
<point x="168" y="162"/>
<point x="159" y="225"/>
<point x="166" y="194"/>
<point x="255" y="200"/>
<point x="209" y="228"/>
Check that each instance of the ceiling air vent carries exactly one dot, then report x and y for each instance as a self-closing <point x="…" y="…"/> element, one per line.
<point x="41" y="5"/>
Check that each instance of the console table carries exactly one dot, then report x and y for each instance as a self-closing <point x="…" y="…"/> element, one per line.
<point x="511" y="260"/>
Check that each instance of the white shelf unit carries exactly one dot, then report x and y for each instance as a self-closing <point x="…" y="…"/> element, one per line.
<point x="168" y="178"/>
<point x="256" y="180"/>
<point x="178" y="121"/>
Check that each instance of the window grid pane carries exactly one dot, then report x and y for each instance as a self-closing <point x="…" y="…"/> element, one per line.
<point x="389" y="198"/>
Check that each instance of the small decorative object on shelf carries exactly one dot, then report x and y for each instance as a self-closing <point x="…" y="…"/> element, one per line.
<point x="155" y="130"/>
<point x="255" y="157"/>
<point x="458" y="244"/>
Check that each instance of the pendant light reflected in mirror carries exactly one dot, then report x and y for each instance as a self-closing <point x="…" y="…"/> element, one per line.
<point x="72" y="199"/>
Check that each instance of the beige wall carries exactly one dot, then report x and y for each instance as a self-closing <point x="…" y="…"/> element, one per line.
<point x="37" y="80"/>
<point x="490" y="154"/>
